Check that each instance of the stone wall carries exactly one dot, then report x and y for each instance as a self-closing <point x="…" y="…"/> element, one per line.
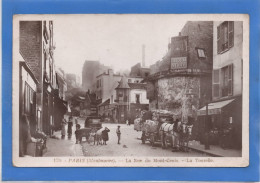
<point x="172" y="96"/>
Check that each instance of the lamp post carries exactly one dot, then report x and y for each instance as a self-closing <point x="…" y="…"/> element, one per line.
<point x="192" y="94"/>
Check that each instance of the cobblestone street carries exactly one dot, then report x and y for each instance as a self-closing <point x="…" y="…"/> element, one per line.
<point x="131" y="145"/>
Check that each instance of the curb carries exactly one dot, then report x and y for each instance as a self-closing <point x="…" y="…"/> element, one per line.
<point x="205" y="152"/>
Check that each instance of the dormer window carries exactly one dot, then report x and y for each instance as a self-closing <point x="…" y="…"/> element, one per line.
<point x="201" y="53"/>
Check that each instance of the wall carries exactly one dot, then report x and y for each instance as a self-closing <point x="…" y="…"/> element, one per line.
<point x="172" y="95"/>
<point x="233" y="56"/>
<point x="108" y="85"/>
<point x="143" y="97"/>
<point x="200" y="35"/>
<point x="31" y="47"/>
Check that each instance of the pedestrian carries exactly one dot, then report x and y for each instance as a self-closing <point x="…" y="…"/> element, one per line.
<point x="118" y="132"/>
<point x="70" y="124"/>
<point x="105" y="135"/>
<point x="63" y="124"/>
<point x="78" y="139"/>
<point x="76" y="121"/>
<point x="127" y="122"/>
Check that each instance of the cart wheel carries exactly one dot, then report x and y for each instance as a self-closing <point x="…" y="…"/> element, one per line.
<point x="165" y="142"/>
<point x="162" y="141"/>
<point x="152" y="140"/>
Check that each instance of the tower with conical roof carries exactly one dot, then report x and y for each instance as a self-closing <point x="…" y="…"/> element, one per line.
<point x="122" y="98"/>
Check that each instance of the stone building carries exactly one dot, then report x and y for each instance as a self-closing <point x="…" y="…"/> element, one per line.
<point x="181" y="81"/>
<point x="225" y="109"/>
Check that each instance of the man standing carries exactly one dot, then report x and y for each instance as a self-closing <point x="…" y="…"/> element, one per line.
<point x="118" y="132"/>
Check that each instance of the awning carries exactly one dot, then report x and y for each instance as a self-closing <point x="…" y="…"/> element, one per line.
<point x="214" y="108"/>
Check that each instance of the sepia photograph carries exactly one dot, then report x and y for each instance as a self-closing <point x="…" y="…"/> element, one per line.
<point x="131" y="90"/>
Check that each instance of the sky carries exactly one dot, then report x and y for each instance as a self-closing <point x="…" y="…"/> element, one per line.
<point x="114" y="40"/>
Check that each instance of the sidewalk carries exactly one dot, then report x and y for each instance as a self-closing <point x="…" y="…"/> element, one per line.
<point x="215" y="151"/>
<point x="62" y="147"/>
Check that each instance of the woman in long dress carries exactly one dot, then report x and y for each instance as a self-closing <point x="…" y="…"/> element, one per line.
<point x="70" y="124"/>
<point x="63" y="130"/>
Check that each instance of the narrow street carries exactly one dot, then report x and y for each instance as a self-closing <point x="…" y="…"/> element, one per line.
<point x="130" y="145"/>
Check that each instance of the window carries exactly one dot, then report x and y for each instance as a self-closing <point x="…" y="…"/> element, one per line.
<point x="225" y="36"/>
<point x="137" y="98"/>
<point x="125" y="98"/>
<point x="129" y="80"/>
<point x="216" y="84"/>
<point x="201" y="53"/>
<point x="28" y="99"/>
<point x="227" y="80"/>
<point x="223" y="82"/>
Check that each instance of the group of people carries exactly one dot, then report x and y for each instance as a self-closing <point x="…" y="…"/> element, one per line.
<point x="70" y="125"/>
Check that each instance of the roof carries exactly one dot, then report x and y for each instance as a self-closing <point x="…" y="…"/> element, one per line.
<point x="214" y="108"/>
<point x="106" y="102"/>
<point x="137" y="85"/>
<point x="123" y="84"/>
<point x="28" y="69"/>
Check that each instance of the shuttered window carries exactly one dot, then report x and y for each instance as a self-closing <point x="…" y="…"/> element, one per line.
<point x="230" y="34"/>
<point x="29" y="97"/>
<point x="230" y="79"/>
<point x="225" y="36"/>
<point x="216" y="83"/>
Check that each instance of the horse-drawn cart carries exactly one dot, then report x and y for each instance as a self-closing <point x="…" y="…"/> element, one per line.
<point x="163" y="129"/>
<point x="150" y="127"/>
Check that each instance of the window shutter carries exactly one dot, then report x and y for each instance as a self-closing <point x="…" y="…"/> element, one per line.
<point x="230" y="79"/>
<point x="216" y="83"/>
<point x="218" y="40"/>
<point x="230" y="34"/>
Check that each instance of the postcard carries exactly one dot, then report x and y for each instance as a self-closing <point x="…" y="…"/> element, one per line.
<point x="130" y="90"/>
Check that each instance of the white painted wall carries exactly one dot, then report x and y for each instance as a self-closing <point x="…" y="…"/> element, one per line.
<point x="233" y="55"/>
<point x="143" y="96"/>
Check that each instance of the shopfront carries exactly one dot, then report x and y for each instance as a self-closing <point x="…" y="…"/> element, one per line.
<point x="223" y="122"/>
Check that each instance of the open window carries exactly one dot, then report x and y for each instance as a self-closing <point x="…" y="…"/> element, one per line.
<point x="225" y="36"/>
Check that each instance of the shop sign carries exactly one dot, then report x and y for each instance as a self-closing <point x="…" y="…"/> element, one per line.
<point x="178" y="62"/>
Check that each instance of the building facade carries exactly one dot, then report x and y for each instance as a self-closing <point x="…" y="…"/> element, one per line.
<point x="106" y="84"/>
<point x="181" y="81"/>
<point x="37" y="49"/>
<point x="225" y="110"/>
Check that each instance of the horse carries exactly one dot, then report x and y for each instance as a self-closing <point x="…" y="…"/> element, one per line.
<point x="185" y="134"/>
<point x="166" y="134"/>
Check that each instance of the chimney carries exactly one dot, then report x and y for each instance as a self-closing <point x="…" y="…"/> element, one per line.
<point x="143" y="55"/>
